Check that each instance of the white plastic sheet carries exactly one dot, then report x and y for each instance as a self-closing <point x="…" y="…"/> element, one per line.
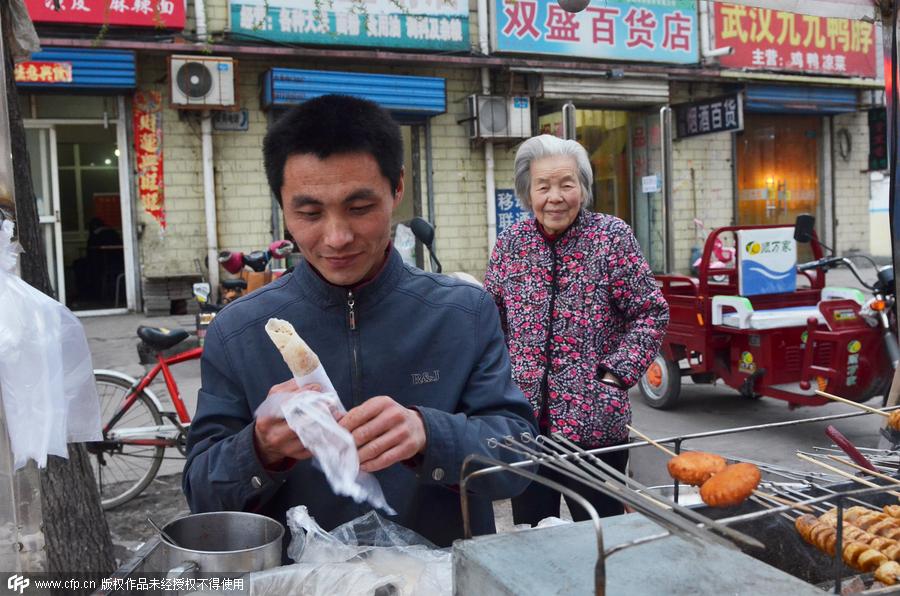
<point x="46" y="375"/>
<point x="313" y="416"/>
<point x="368" y="556"/>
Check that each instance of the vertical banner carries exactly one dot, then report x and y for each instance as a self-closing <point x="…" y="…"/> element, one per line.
<point x="147" y="115"/>
<point x="509" y="211"/>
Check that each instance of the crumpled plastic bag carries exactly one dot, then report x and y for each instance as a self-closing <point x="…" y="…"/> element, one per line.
<point x="46" y="374"/>
<point x="367" y="556"/>
<point x="313" y="416"/>
<point x="405" y="243"/>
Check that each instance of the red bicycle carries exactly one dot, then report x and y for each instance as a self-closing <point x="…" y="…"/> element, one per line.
<point x="136" y="428"/>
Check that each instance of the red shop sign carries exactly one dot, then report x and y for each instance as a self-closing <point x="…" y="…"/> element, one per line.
<point x="768" y="39"/>
<point x="159" y="14"/>
<point x="43" y="72"/>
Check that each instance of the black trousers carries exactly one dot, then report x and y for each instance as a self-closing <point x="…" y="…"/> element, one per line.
<point x="539" y="501"/>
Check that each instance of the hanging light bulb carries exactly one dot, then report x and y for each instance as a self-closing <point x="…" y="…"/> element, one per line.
<point x="573" y="5"/>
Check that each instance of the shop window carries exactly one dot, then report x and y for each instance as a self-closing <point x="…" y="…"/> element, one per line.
<point x="777" y="168"/>
<point x="82" y="106"/>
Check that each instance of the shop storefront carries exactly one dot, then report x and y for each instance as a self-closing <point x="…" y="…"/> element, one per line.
<point x="77" y="130"/>
<point x="618" y="115"/>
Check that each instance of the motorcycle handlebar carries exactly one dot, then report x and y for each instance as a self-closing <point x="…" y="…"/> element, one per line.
<point x="826" y="262"/>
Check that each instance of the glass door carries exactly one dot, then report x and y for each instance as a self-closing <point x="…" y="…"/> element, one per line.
<point x="648" y="188"/>
<point x="41" y="142"/>
<point x="75" y="173"/>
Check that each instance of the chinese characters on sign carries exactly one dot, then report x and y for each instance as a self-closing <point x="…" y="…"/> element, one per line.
<point x="717" y="114"/>
<point x="161" y="14"/>
<point x="878" y="139"/>
<point x="148" y="151"/>
<point x="776" y="40"/>
<point x="424" y="24"/>
<point x="509" y="211"/>
<point x="43" y="72"/>
<point x="650" y="30"/>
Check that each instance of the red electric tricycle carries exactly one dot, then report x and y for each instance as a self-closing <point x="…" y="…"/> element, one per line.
<point x="767" y="326"/>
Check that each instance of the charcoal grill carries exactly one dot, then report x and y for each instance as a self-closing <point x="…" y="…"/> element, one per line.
<point x="648" y="551"/>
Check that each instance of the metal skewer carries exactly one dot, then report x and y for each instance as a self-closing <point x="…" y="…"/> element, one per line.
<point x="843" y="473"/>
<point x="856" y="466"/>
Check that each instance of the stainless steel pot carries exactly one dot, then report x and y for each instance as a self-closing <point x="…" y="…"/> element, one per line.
<point x="231" y="542"/>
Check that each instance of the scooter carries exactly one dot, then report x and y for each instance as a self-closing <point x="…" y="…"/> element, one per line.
<point x="253" y="268"/>
<point x="424" y="233"/>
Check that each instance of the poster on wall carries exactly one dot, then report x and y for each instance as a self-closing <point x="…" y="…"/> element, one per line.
<point x="147" y="112"/>
<point x="157" y="14"/>
<point x="509" y="211"/>
<point x="417" y="24"/>
<point x="767" y="39"/>
<point x="634" y="30"/>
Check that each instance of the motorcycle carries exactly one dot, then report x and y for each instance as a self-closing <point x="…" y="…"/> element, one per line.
<point x="878" y="311"/>
<point x="253" y="268"/>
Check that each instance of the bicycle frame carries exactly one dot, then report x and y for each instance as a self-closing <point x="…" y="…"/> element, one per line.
<point x="143" y="383"/>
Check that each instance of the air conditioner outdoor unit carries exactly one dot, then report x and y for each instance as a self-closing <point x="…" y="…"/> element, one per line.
<point x="202" y="82"/>
<point x="494" y="117"/>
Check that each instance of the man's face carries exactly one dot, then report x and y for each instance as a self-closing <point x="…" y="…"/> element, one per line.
<point x="338" y="210"/>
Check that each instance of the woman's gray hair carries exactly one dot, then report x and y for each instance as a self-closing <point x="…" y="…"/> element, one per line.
<point x="551" y="146"/>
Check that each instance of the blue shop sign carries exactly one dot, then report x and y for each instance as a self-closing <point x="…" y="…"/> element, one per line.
<point x="509" y="211"/>
<point x="639" y="31"/>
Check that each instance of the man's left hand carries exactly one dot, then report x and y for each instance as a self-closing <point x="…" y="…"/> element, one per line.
<point x="385" y="432"/>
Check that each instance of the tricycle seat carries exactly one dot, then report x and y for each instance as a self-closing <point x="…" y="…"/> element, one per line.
<point x="745" y="317"/>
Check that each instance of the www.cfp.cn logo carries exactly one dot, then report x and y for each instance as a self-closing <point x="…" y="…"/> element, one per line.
<point x="17" y="583"/>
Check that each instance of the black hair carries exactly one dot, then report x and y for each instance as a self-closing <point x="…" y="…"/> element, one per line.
<point x="334" y="125"/>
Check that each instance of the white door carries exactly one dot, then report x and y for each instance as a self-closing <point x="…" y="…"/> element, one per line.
<point x="41" y="141"/>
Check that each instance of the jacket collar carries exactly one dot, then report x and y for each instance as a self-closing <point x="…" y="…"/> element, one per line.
<point x="564" y="237"/>
<point x="315" y="288"/>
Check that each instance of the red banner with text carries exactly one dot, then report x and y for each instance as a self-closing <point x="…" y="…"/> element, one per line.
<point x="147" y="115"/>
<point x="768" y="39"/>
<point x="159" y="14"/>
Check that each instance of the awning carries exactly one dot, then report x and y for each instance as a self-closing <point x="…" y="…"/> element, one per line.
<point x="602" y="90"/>
<point x="799" y="100"/>
<point x="78" y="69"/>
<point x="407" y="98"/>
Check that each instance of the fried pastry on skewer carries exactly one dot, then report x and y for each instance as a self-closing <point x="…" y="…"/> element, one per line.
<point x="730" y="486"/>
<point x="695" y="467"/>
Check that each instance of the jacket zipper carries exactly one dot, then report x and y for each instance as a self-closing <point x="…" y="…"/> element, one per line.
<point x="354" y="346"/>
<point x="544" y="413"/>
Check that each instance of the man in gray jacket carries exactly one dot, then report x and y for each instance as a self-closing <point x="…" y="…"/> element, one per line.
<point x="418" y="360"/>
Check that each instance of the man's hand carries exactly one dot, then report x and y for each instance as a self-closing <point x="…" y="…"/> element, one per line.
<point x="274" y="440"/>
<point x="385" y="432"/>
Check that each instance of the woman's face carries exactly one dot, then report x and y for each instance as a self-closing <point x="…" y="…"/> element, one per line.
<point x="555" y="192"/>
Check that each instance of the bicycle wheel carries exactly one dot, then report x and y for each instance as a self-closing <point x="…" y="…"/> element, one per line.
<point x="121" y="469"/>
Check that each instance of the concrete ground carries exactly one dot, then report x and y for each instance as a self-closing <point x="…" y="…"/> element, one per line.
<point x="702" y="408"/>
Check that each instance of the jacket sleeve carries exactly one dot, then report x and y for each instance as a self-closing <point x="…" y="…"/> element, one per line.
<point x="638" y="300"/>
<point x="492" y="406"/>
<point x="493" y="281"/>
<point x="223" y="471"/>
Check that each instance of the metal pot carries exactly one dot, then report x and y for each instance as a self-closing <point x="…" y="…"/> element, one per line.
<point x="230" y="542"/>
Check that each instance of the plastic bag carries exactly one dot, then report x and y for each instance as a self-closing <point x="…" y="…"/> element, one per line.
<point x="366" y="556"/>
<point x="313" y="416"/>
<point x="405" y="243"/>
<point x="46" y="375"/>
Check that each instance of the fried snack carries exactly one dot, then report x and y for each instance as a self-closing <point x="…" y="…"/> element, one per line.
<point x="695" y="467"/>
<point x="888" y="573"/>
<point x="298" y="356"/>
<point x="894" y="420"/>
<point x="730" y="486"/>
<point x="870" y="559"/>
<point x="892" y="510"/>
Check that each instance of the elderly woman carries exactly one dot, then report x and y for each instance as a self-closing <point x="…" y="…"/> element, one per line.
<point x="582" y="314"/>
